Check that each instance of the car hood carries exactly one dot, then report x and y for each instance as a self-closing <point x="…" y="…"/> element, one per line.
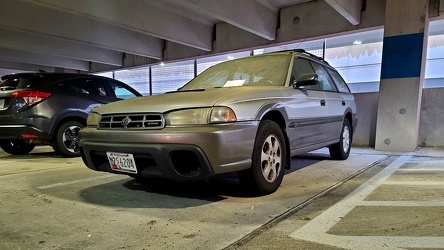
<point x="192" y="99"/>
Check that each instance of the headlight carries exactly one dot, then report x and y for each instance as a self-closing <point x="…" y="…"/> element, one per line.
<point x="200" y="116"/>
<point x="93" y="119"/>
<point x="222" y="114"/>
<point x="187" y="117"/>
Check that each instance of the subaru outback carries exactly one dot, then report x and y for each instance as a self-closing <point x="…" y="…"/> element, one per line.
<point x="248" y="116"/>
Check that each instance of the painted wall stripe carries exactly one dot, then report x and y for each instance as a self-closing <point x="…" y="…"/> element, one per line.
<point x="402" y="56"/>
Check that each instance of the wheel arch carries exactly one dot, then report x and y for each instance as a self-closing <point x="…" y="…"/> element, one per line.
<point x="349" y="117"/>
<point x="81" y="118"/>
<point x="278" y="117"/>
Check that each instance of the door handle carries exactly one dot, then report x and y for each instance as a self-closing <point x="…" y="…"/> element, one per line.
<point x="343" y="103"/>
<point x="322" y="102"/>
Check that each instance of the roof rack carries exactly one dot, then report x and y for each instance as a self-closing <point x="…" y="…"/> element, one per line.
<point x="311" y="55"/>
<point x="305" y="52"/>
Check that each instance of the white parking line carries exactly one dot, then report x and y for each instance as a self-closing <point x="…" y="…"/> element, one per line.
<point x="316" y="230"/>
<point x="402" y="203"/>
<point x="19" y="160"/>
<point x="415" y="183"/>
<point x="421" y="169"/>
<point x="60" y="184"/>
<point x="419" y="160"/>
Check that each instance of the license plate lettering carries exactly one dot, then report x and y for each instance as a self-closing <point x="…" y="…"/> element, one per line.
<point x="122" y="162"/>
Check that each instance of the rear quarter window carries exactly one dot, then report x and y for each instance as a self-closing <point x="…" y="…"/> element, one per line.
<point x="121" y="91"/>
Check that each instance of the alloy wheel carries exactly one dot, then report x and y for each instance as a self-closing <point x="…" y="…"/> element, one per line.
<point x="346" y="139"/>
<point x="71" y="138"/>
<point x="271" y="158"/>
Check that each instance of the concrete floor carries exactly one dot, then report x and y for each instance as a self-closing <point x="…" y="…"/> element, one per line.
<point x="373" y="200"/>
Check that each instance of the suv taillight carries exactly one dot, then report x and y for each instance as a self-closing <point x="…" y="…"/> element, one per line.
<point x="31" y="97"/>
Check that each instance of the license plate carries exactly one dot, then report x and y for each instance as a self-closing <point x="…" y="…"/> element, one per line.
<point x="122" y="162"/>
<point x="2" y="103"/>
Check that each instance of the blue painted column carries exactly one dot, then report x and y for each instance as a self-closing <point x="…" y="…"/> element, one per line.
<point x="402" y="75"/>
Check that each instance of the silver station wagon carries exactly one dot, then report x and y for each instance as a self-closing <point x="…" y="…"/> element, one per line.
<point x="248" y="116"/>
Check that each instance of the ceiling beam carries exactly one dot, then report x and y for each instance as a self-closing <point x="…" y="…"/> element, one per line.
<point x="37" y="19"/>
<point x="138" y="16"/>
<point x="349" y="9"/>
<point x="42" y="59"/>
<point x="31" y="42"/>
<point x="246" y="14"/>
<point x="20" y="67"/>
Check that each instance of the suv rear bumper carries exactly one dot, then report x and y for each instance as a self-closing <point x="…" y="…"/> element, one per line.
<point x="15" y="132"/>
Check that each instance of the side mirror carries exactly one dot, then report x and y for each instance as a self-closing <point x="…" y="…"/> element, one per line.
<point x="305" y="80"/>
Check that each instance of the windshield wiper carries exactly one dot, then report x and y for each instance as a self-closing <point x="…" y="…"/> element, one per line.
<point x="187" y="90"/>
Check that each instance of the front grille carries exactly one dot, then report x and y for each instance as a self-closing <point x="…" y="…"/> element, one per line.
<point x="132" y="121"/>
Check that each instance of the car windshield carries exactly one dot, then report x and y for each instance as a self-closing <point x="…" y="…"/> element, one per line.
<point x="265" y="70"/>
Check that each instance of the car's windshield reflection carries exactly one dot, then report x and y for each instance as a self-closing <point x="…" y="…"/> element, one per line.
<point x="260" y="71"/>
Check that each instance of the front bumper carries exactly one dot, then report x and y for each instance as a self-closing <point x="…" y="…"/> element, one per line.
<point x="182" y="153"/>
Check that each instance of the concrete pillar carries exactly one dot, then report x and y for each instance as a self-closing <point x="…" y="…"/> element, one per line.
<point x="402" y="75"/>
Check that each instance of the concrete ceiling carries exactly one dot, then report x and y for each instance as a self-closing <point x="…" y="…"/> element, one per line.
<point x="89" y="35"/>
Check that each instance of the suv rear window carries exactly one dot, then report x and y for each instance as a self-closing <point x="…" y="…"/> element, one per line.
<point x="19" y="83"/>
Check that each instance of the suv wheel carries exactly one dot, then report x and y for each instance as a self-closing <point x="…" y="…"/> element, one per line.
<point x="341" y="150"/>
<point x="66" y="142"/>
<point x="268" y="161"/>
<point x="16" y="147"/>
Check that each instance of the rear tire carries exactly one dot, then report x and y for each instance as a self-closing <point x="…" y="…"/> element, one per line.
<point x="66" y="141"/>
<point x="16" y="147"/>
<point x="268" y="161"/>
<point x="341" y="150"/>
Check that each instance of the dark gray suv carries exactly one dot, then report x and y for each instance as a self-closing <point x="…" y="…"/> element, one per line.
<point x="51" y="108"/>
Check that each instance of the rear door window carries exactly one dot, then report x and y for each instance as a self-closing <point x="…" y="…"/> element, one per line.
<point x="340" y="83"/>
<point x="326" y="82"/>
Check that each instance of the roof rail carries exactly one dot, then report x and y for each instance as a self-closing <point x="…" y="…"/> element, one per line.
<point x="311" y="55"/>
<point x="304" y="52"/>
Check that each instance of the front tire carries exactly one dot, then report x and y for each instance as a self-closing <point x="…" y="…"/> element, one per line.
<point x="16" y="147"/>
<point x="66" y="141"/>
<point x="341" y="150"/>
<point x="268" y="161"/>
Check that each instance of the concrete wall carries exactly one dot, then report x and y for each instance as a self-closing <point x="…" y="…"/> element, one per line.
<point x="431" y="128"/>
<point x="367" y="105"/>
